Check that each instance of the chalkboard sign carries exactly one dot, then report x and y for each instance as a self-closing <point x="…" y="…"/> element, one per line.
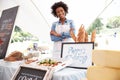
<point x="30" y="73"/>
<point x="80" y="53"/>
<point x="6" y="27"/>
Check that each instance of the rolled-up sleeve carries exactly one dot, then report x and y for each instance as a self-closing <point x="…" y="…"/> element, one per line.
<point x="72" y="24"/>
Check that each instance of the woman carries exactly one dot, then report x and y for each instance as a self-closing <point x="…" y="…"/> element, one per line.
<point x="60" y="30"/>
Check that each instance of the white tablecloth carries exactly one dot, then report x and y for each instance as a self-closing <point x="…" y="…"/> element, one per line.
<point x="70" y="74"/>
<point x="7" y="70"/>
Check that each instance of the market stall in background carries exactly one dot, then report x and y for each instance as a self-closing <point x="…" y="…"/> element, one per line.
<point x="25" y="44"/>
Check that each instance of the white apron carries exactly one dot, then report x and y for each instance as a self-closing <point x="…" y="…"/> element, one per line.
<point x="58" y="45"/>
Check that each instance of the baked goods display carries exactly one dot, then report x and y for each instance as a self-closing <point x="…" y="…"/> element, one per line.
<point x="55" y="64"/>
<point x="82" y="35"/>
<point x="14" y="56"/>
<point x="48" y="62"/>
<point x="93" y="36"/>
<point x="72" y="35"/>
<point x="86" y="36"/>
<point x="17" y="56"/>
<point x="28" y="61"/>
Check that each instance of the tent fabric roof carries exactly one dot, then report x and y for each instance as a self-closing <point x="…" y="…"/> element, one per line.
<point x="35" y="15"/>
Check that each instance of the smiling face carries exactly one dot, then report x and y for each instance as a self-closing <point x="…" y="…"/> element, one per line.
<point x="60" y="12"/>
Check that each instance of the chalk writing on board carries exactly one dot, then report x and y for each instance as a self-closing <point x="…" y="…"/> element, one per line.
<point x="27" y="76"/>
<point x="7" y="21"/>
<point x="80" y="53"/>
<point x="77" y="54"/>
<point x="27" y="73"/>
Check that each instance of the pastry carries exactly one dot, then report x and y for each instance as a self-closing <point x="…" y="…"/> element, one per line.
<point x="81" y="34"/>
<point x="93" y="36"/>
<point x="14" y="56"/>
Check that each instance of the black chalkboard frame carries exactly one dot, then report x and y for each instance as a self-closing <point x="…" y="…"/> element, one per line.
<point x="7" y="21"/>
<point x="37" y="68"/>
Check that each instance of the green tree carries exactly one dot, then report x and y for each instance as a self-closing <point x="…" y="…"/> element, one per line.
<point x="113" y="22"/>
<point x="17" y="29"/>
<point x="97" y="24"/>
<point x="16" y="34"/>
<point x="19" y="35"/>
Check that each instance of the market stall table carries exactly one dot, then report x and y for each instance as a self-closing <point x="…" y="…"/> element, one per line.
<point x="7" y="70"/>
<point x="69" y="74"/>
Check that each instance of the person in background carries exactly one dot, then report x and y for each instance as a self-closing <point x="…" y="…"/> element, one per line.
<point x="60" y="30"/>
<point x="115" y="34"/>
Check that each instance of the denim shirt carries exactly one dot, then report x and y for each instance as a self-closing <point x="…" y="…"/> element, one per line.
<point x="65" y="34"/>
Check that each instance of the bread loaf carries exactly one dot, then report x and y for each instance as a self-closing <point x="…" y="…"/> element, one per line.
<point x="14" y="56"/>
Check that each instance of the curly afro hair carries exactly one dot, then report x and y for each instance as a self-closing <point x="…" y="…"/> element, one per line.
<point x="59" y="4"/>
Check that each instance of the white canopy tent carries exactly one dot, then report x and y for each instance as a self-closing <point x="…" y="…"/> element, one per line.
<point x="35" y="15"/>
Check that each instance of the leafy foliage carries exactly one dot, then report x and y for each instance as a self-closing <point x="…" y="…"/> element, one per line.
<point x="19" y="35"/>
<point x="97" y="24"/>
<point x="113" y="22"/>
